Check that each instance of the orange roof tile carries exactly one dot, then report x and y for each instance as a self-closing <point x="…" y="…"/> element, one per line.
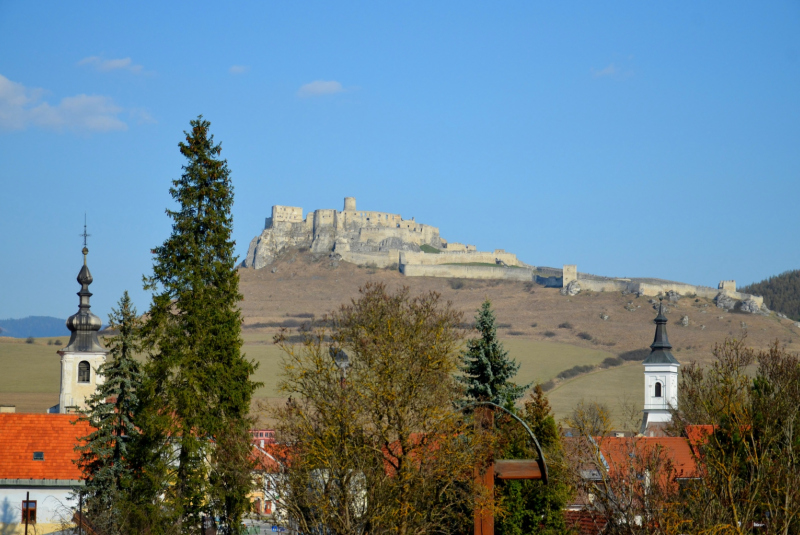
<point x="617" y="451"/>
<point x="53" y="434"/>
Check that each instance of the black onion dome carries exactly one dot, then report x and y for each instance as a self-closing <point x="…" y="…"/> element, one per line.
<point x="85" y="276"/>
<point x="84" y="325"/>
<point x="660" y="348"/>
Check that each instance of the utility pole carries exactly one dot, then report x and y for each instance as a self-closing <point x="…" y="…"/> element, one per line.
<point x="27" y="510"/>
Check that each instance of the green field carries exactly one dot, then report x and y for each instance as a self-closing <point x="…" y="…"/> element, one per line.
<point x="610" y="386"/>
<point x="33" y="371"/>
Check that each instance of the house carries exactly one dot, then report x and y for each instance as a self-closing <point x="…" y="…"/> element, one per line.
<point x="37" y="465"/>
<point x="268" y="460"/>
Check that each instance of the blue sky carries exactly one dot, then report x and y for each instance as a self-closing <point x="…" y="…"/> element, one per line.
<point x="634" y="139"/>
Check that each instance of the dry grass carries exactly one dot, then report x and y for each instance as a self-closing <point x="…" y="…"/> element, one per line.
<point x="305" y="284"/>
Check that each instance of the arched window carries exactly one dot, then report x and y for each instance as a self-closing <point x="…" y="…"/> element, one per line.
<point x="658" y="390"/>
<point x="84" y="371"/>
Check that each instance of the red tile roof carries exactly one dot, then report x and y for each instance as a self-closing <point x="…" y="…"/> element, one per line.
<point x="617" y="452"/>
<point x="698" y="434"/>
<point x="52" y="434"/>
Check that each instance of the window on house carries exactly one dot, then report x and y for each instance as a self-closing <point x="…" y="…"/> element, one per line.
<point x="658" y="390"/>
<point x="83" y="372"/>
<point x="38" y="456"/>
<point x="28" y="511"/>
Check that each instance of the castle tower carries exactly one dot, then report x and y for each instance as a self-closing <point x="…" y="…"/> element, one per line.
<point x="660" y="380"/>
<point x="349" y="204"/>
<point x="83" y="354"/>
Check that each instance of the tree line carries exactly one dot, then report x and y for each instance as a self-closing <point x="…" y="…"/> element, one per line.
<point x="780" y="292"/>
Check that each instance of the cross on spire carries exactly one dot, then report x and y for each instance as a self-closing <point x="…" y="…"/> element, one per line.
<point x="84" y="235"/>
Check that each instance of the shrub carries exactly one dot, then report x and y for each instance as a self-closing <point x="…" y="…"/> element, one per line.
<point x="565" y="325"/>
<point x="548" y="385"/>
<point x="585" y="336"/>
<point x="611" y="361"/>
<point x="29" y="340"/>
<point x="549" y="334"/>
<point x="456" y="284"/>
<point x="57" y="342"/>
<point x="575" y="371"/>
<point x="504" y="325"/>
<point x="392" y="267"/>
<point x="303" y="315"/>
<point x="466" y="325"/>
<point x="516" y="333"/>
<point x="636" y="354"/>
<point x="528" y="287"/>
<point x="534" y="324"/>
<point x="49" y="342"/>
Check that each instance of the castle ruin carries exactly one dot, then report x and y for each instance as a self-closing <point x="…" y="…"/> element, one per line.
<point x="383" y="240"/>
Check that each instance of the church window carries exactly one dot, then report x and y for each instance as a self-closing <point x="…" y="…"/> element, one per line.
<point x="658" y="390"/>
<point x="84" y="372"/>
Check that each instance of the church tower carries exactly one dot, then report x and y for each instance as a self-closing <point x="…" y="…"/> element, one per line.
<point x="660" y="381"/>
<point x="83" y="355"/>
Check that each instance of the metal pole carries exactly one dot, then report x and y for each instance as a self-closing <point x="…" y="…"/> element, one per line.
<point x="27" y="510"/>
<point x="80" y="513"/>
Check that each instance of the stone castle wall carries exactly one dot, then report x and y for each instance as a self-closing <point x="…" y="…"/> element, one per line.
<point x="446" y="257"/>
<point x="383" y="240"/>
<point x="467" y="272"/>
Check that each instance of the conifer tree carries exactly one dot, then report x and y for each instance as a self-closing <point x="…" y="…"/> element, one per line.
<point x="104" y="453"/>
<point x="487" y="369"/>
<point x="198" y="383"/>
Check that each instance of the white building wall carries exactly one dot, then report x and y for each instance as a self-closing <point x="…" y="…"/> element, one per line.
<point x="53" y="504"/>
<point x="658" y="407"/>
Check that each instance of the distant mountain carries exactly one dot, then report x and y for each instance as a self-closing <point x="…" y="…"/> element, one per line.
<point x="36" y="326"/>
<point x="780" y="292"/>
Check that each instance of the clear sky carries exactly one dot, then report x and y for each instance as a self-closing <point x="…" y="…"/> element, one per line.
<point x="656" y="139"/>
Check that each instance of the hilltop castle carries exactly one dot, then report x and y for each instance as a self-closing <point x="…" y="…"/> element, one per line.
<point x="417" y="250"/>
<point x="362" y="237"/>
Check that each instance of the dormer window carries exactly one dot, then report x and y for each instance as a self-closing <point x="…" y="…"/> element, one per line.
<point x="84" y="372"/>
<point x="658" y="390"/>
<point x="38" y="456"/>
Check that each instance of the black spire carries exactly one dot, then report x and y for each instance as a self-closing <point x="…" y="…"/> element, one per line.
<point x="84" y="325"/>
<point x="660" y="348"/>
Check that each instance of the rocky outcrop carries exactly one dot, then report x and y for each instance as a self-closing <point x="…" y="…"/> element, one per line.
<point x="725" y="302"/>
<point x="573" y="288"/>
<point x="751" y="307"/>
<point x="685" y="321"/>
<point x="266" y="247"/>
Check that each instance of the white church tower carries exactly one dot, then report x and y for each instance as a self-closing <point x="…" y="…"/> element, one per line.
<point x="660" y="381"/>
<point x="83" y="355"/>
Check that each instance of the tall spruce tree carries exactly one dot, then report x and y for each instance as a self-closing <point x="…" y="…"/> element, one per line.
<point x="486" y="367"/>
<point x="198" y="383"/>
<point x="105" y="458"/>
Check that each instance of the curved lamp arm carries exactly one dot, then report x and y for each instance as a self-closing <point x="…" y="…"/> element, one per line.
<point x="542" y="462"/>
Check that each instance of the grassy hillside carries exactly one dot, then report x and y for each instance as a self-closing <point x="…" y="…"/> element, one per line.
<point x="546" y="332"/>
<point x="781" y="293"/>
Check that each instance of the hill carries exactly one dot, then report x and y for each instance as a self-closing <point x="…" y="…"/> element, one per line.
<point x="559" y="338"/>
<point x="781" y="293"/>
<point x="36" y="326"/>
